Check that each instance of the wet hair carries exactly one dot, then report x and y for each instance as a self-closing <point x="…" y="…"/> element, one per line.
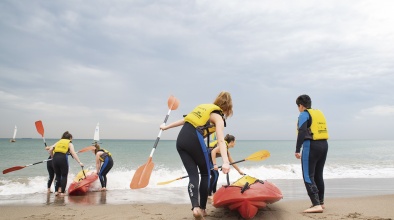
<point x="304" y="100"/>
<point x="229" y="138"/>
<point x="97" y="146"/>
<point x="67" y="135"/>
<point x="224" y="101"/>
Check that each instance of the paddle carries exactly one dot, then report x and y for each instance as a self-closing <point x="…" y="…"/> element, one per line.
<point x="257" y="156"/>
<point x="40" y="130"/>
<point x="142" y="174"/>
<point x="11" y="169"/>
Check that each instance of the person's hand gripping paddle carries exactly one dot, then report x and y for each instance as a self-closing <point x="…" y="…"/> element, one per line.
<point x="142" y="174"/>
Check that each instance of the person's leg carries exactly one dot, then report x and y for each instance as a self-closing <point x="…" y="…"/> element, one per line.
<point x="189" y="149"/>
<point x="56" y="168"/>
<point x="309" y="160"/>
<point x="64" y="172"/>
<point x="51" y="175"/>
<point x="214" y="187"/>
<point x="213" y="182"/>
<point x="323" y="147"/>
<point x="105" y="168"/>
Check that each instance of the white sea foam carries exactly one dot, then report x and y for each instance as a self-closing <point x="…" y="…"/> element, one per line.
<point x="120" y="178"/>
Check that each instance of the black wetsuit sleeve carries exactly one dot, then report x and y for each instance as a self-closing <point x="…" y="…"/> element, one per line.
<point x="302" y="132"/>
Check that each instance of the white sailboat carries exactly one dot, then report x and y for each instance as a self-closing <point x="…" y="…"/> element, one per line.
<point x="13" y="137"/>
<point x="96" y="137"/>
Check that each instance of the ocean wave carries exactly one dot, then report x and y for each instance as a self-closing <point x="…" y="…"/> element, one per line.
<point x="120" y="178"/>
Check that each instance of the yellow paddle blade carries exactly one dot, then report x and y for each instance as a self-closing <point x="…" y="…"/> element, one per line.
<point x="259" y="155"/>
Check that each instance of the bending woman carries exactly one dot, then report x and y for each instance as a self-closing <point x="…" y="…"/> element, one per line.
<point x="104" y="163"/>
<point x="215" y="152"/>
<point x="198" y="124"/>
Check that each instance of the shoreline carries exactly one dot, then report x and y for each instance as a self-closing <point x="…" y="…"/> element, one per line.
<point x="363" y="207"/>
<point x="292" y="189"/>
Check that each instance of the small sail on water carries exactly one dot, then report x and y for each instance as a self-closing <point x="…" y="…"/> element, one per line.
<point x="96" y="137"/>
<point x="13" y="137"/>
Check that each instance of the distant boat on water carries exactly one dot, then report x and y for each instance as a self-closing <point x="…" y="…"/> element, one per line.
<point x="13" y="137"/>
<point x="96" y="137"/>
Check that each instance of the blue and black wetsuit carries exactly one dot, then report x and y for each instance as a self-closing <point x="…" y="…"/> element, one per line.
<point x="314" y="154"/>
<point x="194" y="155"/>
<point x="214" y="176"/>
<point x="108" y="163"/>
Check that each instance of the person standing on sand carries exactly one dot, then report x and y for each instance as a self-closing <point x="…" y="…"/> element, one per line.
<point x="198" y="124"/>
<point x="51" y="171"/>
<point x="215" y="152"/>
<point x="312" y="137"/>
<point x="104" y="164"/>
<point x="60" y="161"/>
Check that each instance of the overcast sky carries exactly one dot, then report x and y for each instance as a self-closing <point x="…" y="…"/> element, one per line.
<point x="74" y="63"/>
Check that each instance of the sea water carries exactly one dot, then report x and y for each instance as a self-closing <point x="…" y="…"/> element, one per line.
<point x="347" y="159"/>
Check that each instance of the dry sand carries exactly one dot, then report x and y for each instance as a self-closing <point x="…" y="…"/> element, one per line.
<point x="367" y="207"/>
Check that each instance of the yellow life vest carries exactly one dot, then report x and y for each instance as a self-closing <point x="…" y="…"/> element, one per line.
<point x="104" y="155"/>
<point x="318" y="127"/>
<point x="62" y="146"/>
<point x="214" y="144"/>
<point x="200" y="116"/>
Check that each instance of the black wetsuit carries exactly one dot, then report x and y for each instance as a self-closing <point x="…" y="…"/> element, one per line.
<point x="60" y="165"/>
<point x="105" y="168"/>
<point x="51" y="172"/>
<point x="194" y="155"/>
<point x="314" y="154"/>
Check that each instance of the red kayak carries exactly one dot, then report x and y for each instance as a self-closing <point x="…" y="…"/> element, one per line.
<point x="81" y="183"/>
<point x="247" y="195"/>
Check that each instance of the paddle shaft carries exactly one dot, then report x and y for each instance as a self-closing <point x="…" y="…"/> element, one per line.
<point x="239" y="161"/>
<point x="158" y="136"/>
<point x="11" y="169"/>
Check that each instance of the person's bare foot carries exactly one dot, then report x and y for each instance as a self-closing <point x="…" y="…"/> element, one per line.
<point x="197" y="214"/>
<point x="103" y="189"/>
<point x="322" y="205"/>
<point x="314" y="209"/>
<point x="62" y="194"/>
<point x="204" y="212"/>
<point x="49" y="191"/>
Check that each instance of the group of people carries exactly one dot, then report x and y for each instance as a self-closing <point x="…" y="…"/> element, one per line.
<point x="199" y="157"/>
<point x="59" y="165"/>
<point x="206" y="119"/>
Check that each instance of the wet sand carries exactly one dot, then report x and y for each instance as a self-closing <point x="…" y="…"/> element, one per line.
<point x="369" y="207"/>
<point x="345" y="199"/>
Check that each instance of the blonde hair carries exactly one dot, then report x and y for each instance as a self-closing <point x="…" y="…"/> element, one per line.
<point x="97" y="148"/>
<point x="224" y="101"/>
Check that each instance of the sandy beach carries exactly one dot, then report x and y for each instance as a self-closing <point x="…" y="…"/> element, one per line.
<point x="367" y="207"/>
<point x="345" y="199"/>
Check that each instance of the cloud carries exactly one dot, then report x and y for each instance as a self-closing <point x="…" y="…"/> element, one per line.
<point x="379" y="111"/>
<point x="79" y="63"/>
